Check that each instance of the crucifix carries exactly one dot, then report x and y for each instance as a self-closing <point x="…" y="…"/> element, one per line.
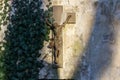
<point x="56" y="42"/>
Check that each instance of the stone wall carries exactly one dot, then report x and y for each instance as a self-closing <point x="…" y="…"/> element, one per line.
<point x="91" y="45"/>
<point x="75" y="36"/>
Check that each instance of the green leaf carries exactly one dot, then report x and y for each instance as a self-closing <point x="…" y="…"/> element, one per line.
<point x="26" y="32"/>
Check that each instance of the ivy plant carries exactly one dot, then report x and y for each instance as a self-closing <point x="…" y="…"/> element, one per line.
<point x="26" y="32"/>
<point x="4" y="10"/>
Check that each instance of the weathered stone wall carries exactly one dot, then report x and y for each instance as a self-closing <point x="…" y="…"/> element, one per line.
<point x="76" y="36"/>
<point x="91" y="45"/>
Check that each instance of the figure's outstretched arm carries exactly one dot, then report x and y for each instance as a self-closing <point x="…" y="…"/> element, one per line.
<point x="47" y="22"/>
<point x="66" y="21"/>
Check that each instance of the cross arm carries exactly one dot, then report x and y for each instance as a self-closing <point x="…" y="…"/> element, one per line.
<point x="66" y="21"/>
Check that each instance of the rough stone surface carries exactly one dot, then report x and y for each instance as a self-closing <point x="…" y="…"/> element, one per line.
<point x="91" y="45"/>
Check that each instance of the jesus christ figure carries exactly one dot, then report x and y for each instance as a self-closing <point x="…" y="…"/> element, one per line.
<point x="56" y="41"/>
